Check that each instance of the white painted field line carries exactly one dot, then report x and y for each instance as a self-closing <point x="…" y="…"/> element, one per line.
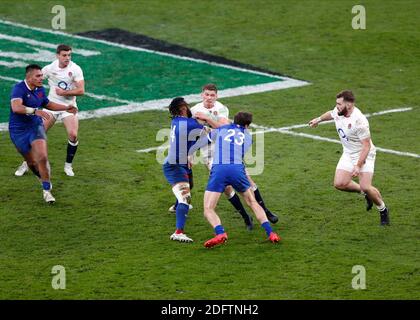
<point x="304" y="135"/>
<point x="286" y="130"/>
<point x="48" y="45"/>
<point x="161" y="104"/>
<point x="305" y="125"/>
<point x="166" y="146"/>
<point x="15" y="24"/>
<point x="92" y="95"/>
<point x="153" y="149"/>
<point x="132" y="106"/>
<point x="315" y="137"/>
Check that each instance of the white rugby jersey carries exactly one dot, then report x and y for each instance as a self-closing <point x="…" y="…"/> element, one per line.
<point x="218" y="111"/>
<point x="63" y="78"/>
<point x="352" y="130"/>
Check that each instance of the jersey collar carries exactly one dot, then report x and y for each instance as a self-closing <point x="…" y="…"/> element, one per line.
<point x="27" y="86"/>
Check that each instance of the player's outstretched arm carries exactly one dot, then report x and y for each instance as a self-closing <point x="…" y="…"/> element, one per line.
<point x="61" y="107"/>
<point x="324" y="117"/>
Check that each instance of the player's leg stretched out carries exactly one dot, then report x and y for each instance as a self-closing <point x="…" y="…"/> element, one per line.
<point x="365" y="179"/>
<point x="234" y="176"/>
<point x="30" y="164"/>
<point x="343" y="182"/>
<point x="229" y="192"/>
<point x="37" y="160"/>
<point x="260" y="215"/>
<point x="273" y="218"/>
<point x="234" y="199"/>
<point x="210" y="202"/>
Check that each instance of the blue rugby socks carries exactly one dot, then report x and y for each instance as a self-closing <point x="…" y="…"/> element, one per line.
<point x="267" y="227"/>
<point x="219" y="229"/>
<point x="46" y="185"/>
<point x="181" y="216"/>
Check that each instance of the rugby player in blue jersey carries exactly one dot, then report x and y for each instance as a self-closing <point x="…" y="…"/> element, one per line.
<point x="231" y="143"/>
<point x="177" y="170"/>
<point x="215" y="114"/>
<point x="26" y="126"/>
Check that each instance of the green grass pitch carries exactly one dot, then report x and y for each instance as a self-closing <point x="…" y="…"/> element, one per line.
<point x="110" y="227"/>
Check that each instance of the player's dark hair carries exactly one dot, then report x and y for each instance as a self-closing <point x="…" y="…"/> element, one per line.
<point x="31" y="67"/>
<point x="210" y="87"/>
<point x="243" y="118"/>
<point x="63" y="47"/>
<point x="175" y="107"/>
<point x="347" y="96"/>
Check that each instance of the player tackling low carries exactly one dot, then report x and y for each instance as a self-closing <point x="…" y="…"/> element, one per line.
<point x="359" y="153"/>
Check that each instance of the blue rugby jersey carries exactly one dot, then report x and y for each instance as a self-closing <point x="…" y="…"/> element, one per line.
<point x="30" y="98"/>
<point x="184" y="134"/>
<point x="232" y="142"/>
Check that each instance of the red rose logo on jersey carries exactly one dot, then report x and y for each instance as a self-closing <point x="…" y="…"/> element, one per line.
<point x="215" y="113"/>
<point x="70" y="73"/>
<point x="349" y="126"/>
<point x="40" y="94"/>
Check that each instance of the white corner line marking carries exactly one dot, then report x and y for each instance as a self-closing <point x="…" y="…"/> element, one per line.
<point x="15" y="24"/>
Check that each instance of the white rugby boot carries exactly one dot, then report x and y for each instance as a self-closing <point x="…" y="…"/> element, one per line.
<point x="23" y="168"/>
<point x="48" y="197"/>
<point x="68" y="169"/>
<point x="181" y="237"/>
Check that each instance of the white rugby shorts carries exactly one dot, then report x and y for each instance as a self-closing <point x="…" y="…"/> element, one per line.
<point x="58" y="115"/>
<point x="348" y="161"/>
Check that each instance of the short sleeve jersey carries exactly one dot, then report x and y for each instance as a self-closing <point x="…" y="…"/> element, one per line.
<point x="232" y="141"/>
<point x="64" y="78"/>
<point x="218" y="111"/>
<point x="352" y="130"/>
<point x="184" y="134"/>
<point x="36" y="98"/>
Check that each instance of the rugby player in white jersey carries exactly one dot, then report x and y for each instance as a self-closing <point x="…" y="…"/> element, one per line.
<point x="66" y="81"/>
<point x="359" y="153"/>
<point x="215" y="114"/>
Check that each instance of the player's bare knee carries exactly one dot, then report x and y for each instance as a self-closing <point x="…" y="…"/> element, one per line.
<point x="340" y="185"/>
<point x="208" y="207"/>
<point x="365" y="187"/>
<point x="42" y="158"/>
<point x="249" y="200"/>
<point x="73" y="136"/>
<point x="229" y="192"/>
<point x="206" y="212"/>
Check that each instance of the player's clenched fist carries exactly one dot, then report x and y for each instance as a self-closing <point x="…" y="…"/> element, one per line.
<point x="314" y="122"/>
